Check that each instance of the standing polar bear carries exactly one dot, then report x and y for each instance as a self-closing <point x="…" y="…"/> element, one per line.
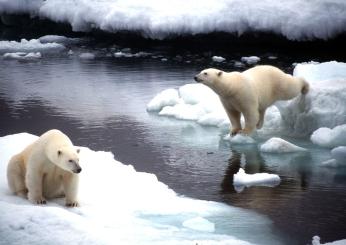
<point x="47" y="168"/>
<point x="251" y="92"/>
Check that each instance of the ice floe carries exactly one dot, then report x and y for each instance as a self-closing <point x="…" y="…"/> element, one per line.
<point x="28" y="46"/>
<point x="278" y="145"/>
<point x="115" y="199"/>
<point x="23" y="56"/>
<point x="330" y="138"/>
<point x="241" y="180"/>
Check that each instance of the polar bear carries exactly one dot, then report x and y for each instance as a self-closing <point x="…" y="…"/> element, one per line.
<point x="251" y="92"/>
<point x="47" y="168"/>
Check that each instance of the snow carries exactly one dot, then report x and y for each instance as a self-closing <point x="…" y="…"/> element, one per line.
<point x="23" y="56"/>
<point x="296" y="20"/>
<point x="167" y="97"/>
<point x="118" y="206"/>
<point x="241" y="179"/>
<point x="326" y="137"/>
<point x="27" y="46"/>
<point x="278" y="145"/>
<point x="251" y="60"/>
<point x="218" y="59"/>
<point x="87" y="56"/>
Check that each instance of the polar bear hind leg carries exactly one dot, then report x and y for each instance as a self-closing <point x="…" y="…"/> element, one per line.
<point x="16" y="176"/>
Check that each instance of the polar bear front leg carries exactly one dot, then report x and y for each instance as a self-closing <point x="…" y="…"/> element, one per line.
<point x="70" y="183"/>
<point x="34" y="180"/>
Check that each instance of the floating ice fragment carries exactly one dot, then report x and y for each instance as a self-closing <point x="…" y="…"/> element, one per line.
<point x="251" y="60"/>
<point x="199" y="224"/>
<point x="23" y="56"/>
<point x="239" y="139"/>
<point x="87" y="56"/>
<point x="278" y="145"/>
<point x="241" y="179"/>
<point x="327" y="137"/>
<point x="339" y="154"/>
<point x="32" y="45"/>
<point x="218" y="59"/>
<point x="168" y="97"/>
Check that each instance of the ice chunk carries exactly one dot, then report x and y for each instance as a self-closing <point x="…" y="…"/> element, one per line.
<point x="59" y="39"/>
<point x="323" y="106"/>
<point x="316" y="240"/>
<point x="87" y="56"/>
<point x="168" y="97"/>
<point x="331" y="163"/>
<point x="241" y="179"/>
<point x="199" y="224"/>
<point x="197" y="93"/>
<point x="278" y="145"/>
<point x="327" y="137"/>
<point x="183" y="111"/>
<point x="218" y="59"/>
<point x="251" y="60"/>
<point x="239" y="139"/>
<point x="339" y="154"/>
<point x="32" y="45"/>
<point x="23" y="56"/>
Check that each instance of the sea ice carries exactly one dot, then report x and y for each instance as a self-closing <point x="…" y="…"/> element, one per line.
<point x="239" y="139"/>
<point x="114" y="198"/>
<point x="241" y="180"/>
<point x="32" y="45"/>
<point x="59" y="39"/>
<point x="278" y="145"/>
<point x="218" y="59"/>
<point x="251" y="60"/>
<point x="330" y="138"/>
<point x="168" y="97"/>
<point x="23" y="56"/>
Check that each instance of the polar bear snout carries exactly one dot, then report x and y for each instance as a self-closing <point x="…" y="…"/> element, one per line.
<point x="77" y="170"/>
<point x="196" y="78"/>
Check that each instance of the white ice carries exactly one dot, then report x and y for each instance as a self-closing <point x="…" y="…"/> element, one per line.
<point x="316" y="240"/>
<point x="23" y="56"/>
<point x="28" y="46"/>
<point x="251" y="60"/>
<point x="59" y="39"/>
<point x="330" y="138"/>
<point x="278" y="145"/>
<point x="242" y="179"/>
<point x="118" y="206"/>
<point x="294" y="19"/>
<point x="339" y="154"/>
<point x="239" y="139"/>
<point x="218" y="59"/>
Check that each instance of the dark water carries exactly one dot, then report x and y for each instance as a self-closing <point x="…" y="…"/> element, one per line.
<point x="101" y="104"/>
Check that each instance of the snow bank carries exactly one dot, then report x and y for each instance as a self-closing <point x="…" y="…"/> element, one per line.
<point x="241" y="179"/>
<point x="296" y="20"/>
<point x="118" y="206"/>
<point x="327" y="137"/>
<point x="325" y="103"/>
<point x="23" y="56"/>
<point x="278" y="145"/>
<point x="32" y="45"/>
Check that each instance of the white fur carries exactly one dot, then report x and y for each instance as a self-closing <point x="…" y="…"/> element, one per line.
<point x="47" y="168"/>
<point x="251" y="92"/>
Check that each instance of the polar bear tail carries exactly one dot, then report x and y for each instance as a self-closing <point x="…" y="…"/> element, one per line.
<point x="306" y="86"/>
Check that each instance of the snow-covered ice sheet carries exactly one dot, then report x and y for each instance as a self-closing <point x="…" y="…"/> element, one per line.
<point x="118" y="206"/>
<point x="278" y="145"/>
<point x="294" y="19"/>
<point x="242" y="179"/>
<point x="32" y="45"/>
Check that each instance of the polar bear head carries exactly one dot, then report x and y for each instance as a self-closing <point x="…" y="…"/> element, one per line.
<point x="68" y="159"/>
<point x="209" y="77"/>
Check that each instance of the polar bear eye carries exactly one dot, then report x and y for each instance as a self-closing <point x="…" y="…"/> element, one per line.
<point x="71" y="161"/>
<point x="205" y="73"/>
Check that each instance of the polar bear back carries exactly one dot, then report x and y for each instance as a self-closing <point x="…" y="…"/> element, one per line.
<point x="272" y="84"/>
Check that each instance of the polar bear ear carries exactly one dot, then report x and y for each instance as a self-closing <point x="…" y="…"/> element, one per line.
<point x="78" y="150"/>
<point x="59" y="152"/>
<point x="219" y="73"/>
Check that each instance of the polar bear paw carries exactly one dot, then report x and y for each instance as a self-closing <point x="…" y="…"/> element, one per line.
<point x="40" y="201"/>
<point x="72" y="204"/>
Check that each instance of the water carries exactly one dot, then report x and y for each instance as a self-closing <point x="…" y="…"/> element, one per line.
<point x="101" y="104"/>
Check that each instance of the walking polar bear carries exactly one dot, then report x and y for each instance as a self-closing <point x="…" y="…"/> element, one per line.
<point x="47" y="168"/>
<point x="251" y="92"/>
